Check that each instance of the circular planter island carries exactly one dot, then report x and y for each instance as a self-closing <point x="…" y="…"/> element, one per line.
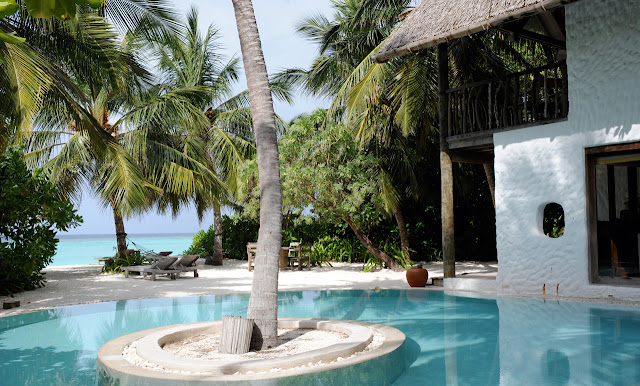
<point x="371" y="354"/>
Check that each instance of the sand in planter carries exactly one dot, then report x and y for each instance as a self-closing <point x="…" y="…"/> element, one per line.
<point x="290" y="341"/>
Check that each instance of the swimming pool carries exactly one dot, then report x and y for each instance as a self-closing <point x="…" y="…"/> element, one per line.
<point x="450" y="338"/>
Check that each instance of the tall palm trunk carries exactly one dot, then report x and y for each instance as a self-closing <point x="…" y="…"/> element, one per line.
<point x="446" y="168"/>
<point x="263" y="304"/>
<point x="402" y="229"/>
<point x="217" y="240"/>
<point x="121" y="235"/>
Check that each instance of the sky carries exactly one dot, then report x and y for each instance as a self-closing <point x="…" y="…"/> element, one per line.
<point x="282" y="47"/>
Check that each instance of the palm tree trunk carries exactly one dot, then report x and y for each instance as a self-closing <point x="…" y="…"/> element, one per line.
<point x="491" y="180"/>
<point x="121" y="235"/>
<point x="388" y="260"/>
<point x="402" y="229"/>
<point x="217" y="240"/>
<point x="263" y="303"/>
<point x="446" y="168"/>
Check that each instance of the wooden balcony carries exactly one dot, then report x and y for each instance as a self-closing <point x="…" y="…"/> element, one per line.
<point x="476" y="111"/>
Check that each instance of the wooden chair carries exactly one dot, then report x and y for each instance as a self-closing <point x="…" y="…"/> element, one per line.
<point x="298" y="253"/>
<point x="251" y="254"/>
<point x="305" y="254"/>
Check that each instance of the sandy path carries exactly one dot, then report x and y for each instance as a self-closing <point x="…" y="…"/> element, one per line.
<point x="68" y="285"/>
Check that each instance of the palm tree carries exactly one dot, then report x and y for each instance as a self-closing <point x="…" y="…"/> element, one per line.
<point x="346" y="44"/>
<point x="150" y="118"/>
<point x="190" y="59"/>
<point x="263" y="303"/>
<point x="393" y="107"/>
<point x="33" y="53"/>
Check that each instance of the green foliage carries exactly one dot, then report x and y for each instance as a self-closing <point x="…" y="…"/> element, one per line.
<point x="129" y="259"/>
<point x="333" y="248"/>
<point x="238" y="232"/>
<point x="61" y="9"/>
<point x="553" y="221"/>
<point x="393" y="250"/>
<point x="30" y="215"/>
<point x="203" y="243"/>
<point x="323" y="168"/>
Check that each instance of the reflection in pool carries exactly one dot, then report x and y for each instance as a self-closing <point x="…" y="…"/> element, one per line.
<point x="450" y="339"/>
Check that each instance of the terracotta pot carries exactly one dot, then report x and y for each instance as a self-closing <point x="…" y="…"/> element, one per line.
<point x="417" y="277"/>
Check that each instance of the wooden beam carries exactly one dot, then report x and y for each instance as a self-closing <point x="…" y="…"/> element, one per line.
<point x="613" y="149"/>
<point x="446" y="168"/>
<point x="482" y="139"/>
<point x="468" y="157"/>
<point x="536" y="37"/>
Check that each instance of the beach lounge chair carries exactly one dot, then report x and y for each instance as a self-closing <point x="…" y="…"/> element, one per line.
<point x="187" y="263"/>
<point x="251" y="254"/>
<point x="299" y="253"/>
<point x="162" y="267"/>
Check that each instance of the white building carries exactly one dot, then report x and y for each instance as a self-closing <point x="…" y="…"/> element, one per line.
<point x="563" y="134"/>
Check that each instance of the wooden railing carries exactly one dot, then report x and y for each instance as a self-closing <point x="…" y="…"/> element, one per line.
<point x="528" y="97"/>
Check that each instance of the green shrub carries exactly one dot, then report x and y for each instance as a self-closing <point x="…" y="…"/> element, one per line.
<point x="333" y="248"/>
<point x="129" y="259"/>
<point x="30" y="215"/>
<point x="202" y="243"/>
<point x="237" y="232"/>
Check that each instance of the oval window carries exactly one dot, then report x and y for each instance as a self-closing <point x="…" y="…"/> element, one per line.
<point x="553" y="220"/>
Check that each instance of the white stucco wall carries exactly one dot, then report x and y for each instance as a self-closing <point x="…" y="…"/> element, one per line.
<point x="539" y="165"/>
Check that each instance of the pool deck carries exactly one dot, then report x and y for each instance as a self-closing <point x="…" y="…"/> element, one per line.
<point x="82" y="284"/>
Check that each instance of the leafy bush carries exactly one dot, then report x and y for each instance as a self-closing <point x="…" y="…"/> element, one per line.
<point x="30" y="215"/>
<point x="129" y="259"/>
<point x="333" y="248"/>
<point x="202" y="243"/>
<point x="237" y="232"/>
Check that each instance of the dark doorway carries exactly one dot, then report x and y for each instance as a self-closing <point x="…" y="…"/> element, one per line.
<point x="614" y="180"/>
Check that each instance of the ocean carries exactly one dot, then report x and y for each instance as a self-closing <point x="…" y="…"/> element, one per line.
<point x="81" y="249"/>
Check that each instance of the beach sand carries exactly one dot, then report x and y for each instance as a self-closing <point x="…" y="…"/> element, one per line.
<point x="81" y="284"/>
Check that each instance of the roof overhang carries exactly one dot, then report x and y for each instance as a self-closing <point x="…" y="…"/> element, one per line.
<point x="438" y="21"/>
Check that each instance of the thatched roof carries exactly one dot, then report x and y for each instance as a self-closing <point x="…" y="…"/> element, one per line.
<point x="437" y="21"/>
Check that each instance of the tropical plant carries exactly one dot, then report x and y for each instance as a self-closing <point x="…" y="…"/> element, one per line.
<point x="125" y="260"/>
<point x="146" y="153"/>
<point x="191" y="59"/>
<point x="346" y="44"/>
<point x="203" y="243"/>
<point x="323" y="168"/>
<point x="30" y="215"/>
<point x="263" y="303"/>
<point x="36" y="55"/>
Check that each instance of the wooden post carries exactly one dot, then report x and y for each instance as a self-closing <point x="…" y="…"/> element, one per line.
<point x="446" y="168"/>
<point x="235" y="336"/>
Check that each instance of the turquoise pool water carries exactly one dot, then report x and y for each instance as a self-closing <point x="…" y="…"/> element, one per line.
<point x="450" y="339"/>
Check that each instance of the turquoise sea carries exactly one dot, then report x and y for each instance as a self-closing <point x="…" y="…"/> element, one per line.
<point x="81" y="249"/>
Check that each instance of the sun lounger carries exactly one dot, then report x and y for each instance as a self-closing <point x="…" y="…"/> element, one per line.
<point x="162" y="267"/>
<point x="187" y="263"/>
